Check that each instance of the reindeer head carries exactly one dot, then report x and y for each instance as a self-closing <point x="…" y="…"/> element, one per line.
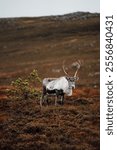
<point x="73" y="79"/>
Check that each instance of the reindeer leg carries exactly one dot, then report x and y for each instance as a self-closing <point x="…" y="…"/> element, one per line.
<point x="47" y="100"/>
<point x="42" y="100"/>
<point x="56" y="98"/>
<point x="44" y="93"/>
<point x="62" y="99"/>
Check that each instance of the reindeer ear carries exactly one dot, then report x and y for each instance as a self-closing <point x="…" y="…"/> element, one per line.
<point x="76" y="78"/>
<point x="67" y="78"/>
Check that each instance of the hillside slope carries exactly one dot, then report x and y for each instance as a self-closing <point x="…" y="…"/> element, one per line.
<point x="43" y="44"/>
<point x="37" y="43"/>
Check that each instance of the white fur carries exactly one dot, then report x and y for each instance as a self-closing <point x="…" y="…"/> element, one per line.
<point x="60" y="84"/>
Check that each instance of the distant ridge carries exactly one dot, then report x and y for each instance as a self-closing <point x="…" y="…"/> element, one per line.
<point x="76" y="15"/>
<point x="79" y="14"/>
<point x="16" y="23"/>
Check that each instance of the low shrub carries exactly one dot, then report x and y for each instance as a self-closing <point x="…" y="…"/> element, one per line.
<point x="26" y="88"/>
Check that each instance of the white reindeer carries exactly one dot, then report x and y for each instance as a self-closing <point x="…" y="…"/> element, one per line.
<point x="59" y="86"/>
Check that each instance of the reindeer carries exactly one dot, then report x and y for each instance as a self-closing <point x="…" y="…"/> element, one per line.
<point x="59" y="86"/>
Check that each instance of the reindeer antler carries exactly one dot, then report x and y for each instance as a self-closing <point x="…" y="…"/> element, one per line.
<point x="64" y="68"/>
<point x="78" y="67"/>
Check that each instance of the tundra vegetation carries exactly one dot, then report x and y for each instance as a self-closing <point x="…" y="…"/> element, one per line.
<point x="43" y="43"/>
<point x="25" y="88"/>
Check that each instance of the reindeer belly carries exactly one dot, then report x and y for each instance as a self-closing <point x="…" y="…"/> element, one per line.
<point x="55" y="92"/>
<point x="51" y="91"/>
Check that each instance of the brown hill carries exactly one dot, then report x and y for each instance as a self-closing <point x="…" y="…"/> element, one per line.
<point x="43" y="43"/>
